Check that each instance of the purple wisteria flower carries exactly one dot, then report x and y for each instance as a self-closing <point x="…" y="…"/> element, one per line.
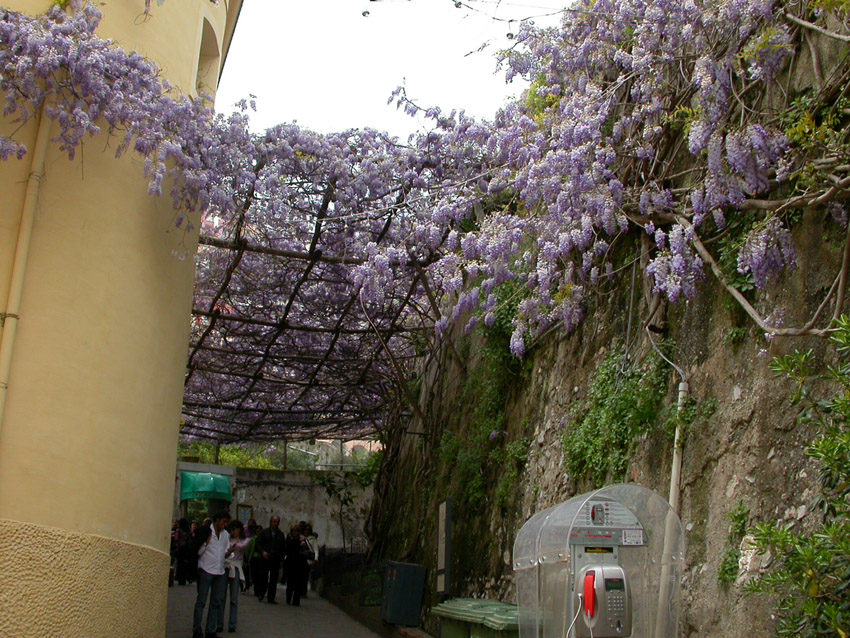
<point x="767" y="251"/>
<point x="676" y="270"/>
<point x="537" y="196"/>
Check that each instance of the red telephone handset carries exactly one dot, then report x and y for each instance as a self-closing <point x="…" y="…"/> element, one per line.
<point x="590" y="594"/>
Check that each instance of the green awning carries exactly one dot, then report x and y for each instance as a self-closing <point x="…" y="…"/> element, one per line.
<point x="204" y="485"/>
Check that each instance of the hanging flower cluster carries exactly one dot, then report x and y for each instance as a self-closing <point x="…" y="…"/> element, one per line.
<point x="587" y="151"/>
<point x="654" y="117"/>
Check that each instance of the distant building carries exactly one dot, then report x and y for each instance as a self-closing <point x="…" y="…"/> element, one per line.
<point x="96" y="312"/>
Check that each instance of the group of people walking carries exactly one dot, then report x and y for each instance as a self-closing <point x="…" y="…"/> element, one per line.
<point x="296" y="552"/>
<point x="232" y="557"/>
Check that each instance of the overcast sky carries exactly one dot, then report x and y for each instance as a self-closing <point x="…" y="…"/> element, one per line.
<point x="325" y="65"/>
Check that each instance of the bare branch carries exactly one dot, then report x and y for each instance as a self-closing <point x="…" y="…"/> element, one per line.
<point x="737" y="296"/>
<point x="814" y="27"/>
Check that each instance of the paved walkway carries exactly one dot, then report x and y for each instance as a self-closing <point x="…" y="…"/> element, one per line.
<point x="315" y="618"/>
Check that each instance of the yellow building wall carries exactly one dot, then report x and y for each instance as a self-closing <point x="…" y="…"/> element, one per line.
<point x="89" y="429"/>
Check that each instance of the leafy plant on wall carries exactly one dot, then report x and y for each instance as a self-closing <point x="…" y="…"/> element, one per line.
<point x="623" y="402"/>
<point x="810" y="570"/>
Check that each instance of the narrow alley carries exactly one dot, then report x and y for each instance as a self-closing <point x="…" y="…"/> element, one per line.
<point x="315" y="618"/>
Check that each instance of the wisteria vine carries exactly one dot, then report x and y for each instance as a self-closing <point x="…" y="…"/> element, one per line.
<point x="326" y="259"/>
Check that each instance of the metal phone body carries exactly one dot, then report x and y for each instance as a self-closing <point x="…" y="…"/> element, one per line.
<point x="609" y="613"/>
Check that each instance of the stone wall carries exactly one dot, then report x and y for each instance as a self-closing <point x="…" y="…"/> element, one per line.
<point x="749" y="451"/>
<point x="296" y="495"/>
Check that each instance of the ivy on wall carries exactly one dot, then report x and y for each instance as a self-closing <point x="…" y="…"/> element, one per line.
<point x="487" y="451"/>
<point x="623" y="402"/>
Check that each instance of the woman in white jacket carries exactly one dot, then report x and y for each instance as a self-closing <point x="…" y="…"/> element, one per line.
<point x="235" y="573"/>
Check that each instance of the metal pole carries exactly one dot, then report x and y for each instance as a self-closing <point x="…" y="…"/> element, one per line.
<point x="670" y="523"/>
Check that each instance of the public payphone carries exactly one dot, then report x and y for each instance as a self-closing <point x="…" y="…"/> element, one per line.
<point x="602" y="601"/>
<point x="601" y="595"/>
<point x="602" y="565"/>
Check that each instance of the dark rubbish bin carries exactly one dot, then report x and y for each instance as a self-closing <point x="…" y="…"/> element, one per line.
<point x="401" y="601"/>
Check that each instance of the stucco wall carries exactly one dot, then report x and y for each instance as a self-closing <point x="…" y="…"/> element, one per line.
<point x="79" y="585"/>
<point x="170" y="35"/>
<point x="297" y="496"/>
<point x="92" y="410"/>
<point x="89" y="426"/>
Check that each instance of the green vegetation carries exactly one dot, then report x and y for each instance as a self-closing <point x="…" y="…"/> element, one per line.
<point x="622" y="403"/>
<point x="739" y="516"/>
<point x="736" y="232"/>
<point x="683" y="117"/>
<point x="811" y="569"/>
<point x="371" y="465"/>
<point x="831" y="5"/>
<point x="197" y="509"/>
<point x="736" y="335"/>
<point x="693" y="413"/>
<point x="339" y="487"/>
<point x="816" y="122"/>
<point x="252" y="455"/>
<point x="299" y="456"/>
<point x="769" y="40"/>
<point x="538" y="100"/>
<point x="486" y="453"/>
<point x="728" y="570"/>
<point x="810" y="124"/>
<point x="512" y="458"/>
<point x="729" y="566"/>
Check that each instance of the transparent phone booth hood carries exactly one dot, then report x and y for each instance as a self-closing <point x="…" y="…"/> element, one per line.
<point x="606" y="564"/>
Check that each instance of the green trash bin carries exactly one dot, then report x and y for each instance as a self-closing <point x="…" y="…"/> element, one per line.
<point x="478" y="626"/>
<point x="451" y="624"/>
<point x="453" y="628"/>
<point x="498" y="620"/>
<point x="477" y="618"/>
<point x="457" y="616"/>
<point x="504" y="622"/>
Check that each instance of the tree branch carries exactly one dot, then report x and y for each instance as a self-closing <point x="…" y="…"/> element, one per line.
<point x="842" y="277"/>
<point x="814" y="27"/>
<point x="737" y="296"/>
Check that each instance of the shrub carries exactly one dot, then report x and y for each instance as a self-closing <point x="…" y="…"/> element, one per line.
<point x="811" y="570"/>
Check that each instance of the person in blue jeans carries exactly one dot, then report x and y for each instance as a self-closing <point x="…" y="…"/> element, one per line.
<point x="212" y="577"/>
<point x="234" y="566"/>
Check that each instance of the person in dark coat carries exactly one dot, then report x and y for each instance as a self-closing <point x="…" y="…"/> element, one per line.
<point x="295" y="566"/>
<point x="270" y="549"/>
<point x="184" y="553"/>
<point x="192" y="568"/>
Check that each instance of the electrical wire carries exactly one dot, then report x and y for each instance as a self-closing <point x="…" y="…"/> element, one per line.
<point x="578" y="611"/>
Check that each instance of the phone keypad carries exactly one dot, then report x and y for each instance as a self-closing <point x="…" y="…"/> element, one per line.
<point x="617" y="605"/>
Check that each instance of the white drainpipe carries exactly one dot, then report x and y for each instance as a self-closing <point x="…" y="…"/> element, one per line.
<point x="11" y="316"/>
<point x="671" y="522"/>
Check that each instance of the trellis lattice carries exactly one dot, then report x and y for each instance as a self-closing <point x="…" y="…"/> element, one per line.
<point x="285" y="344"/>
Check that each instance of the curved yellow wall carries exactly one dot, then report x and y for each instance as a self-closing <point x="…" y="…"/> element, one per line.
<point x="89" y="430"/>
<point x="62" y="583"/>
<point x="93" y="403"/>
